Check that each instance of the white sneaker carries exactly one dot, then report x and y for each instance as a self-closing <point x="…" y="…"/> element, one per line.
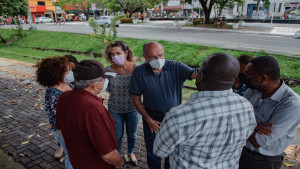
<point x="59" y="152"/>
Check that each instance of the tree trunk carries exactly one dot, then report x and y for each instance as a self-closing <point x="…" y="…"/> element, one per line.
<point x="207" y="16"/>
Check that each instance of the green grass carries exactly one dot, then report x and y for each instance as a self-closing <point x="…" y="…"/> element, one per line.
<point x="190" y="54"/>
<point x="296" y="89"/>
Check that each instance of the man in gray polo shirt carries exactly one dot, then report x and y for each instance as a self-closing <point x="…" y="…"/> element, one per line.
<point x="160" y="82"/>
<point x="277" y="112"/>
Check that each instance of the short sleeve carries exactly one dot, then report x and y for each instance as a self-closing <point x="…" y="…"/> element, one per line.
<point x="184" y="71"/>
<point x="101" y="132"/>
<point x="135" y="84"/>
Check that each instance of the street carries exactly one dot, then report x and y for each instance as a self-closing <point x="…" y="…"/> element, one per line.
<point x="273" y="44"/>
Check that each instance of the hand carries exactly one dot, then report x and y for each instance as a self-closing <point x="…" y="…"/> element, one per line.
<point x="153" y="125"/>
<point x="263" y="129"/>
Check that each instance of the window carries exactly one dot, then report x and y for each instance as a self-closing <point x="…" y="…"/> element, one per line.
<point x="279" y="8"/>
<point x="41" y="3"/>
<point x="274" y="7"/>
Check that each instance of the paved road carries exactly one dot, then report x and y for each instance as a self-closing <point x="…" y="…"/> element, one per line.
<point x="231" y="40"/>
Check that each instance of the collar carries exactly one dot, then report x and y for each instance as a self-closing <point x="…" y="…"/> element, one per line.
<point x="277" y="96"/>
<point x="218" y="93"/>
<point x="88" y="94"/>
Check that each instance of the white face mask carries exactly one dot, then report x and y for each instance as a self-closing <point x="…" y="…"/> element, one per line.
<point x="105" y="85"/>
<point x="157" y="63"/>
<point x="69" y="77"/>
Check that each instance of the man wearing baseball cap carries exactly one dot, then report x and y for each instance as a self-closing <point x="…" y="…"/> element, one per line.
<point x="87" y="127"/>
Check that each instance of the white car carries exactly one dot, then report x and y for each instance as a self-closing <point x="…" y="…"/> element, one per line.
<point x="297" y="34"/>
<point x="106" y="20"/>
<point x="43" y="20"/>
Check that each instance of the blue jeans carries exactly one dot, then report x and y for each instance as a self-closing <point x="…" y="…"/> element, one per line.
<point x="153" y="161"/>
<point x="131" y="119"/>
<point x="61" y="141"/>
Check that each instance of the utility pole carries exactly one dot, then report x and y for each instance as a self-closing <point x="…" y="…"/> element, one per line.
<point x="161" y="8"/>
<point x="54" y="12"/>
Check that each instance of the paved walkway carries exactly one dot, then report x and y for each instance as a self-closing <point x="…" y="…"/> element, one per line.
<point x="26" y="140"/>
<point x="24" y="128"/>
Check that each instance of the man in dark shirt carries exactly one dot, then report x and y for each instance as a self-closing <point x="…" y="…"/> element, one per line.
<point x="160" y="82"/>
<point x="86" y="125"/>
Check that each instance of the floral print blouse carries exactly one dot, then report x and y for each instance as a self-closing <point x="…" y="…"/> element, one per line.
<point x="51" y="97"/>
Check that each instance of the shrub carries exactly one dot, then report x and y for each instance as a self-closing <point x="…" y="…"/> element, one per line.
<point x="126" y="20"/>
<point x="197" y="21"/>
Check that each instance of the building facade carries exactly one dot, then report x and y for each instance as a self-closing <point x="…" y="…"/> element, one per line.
<point x="44" y="8"/>
<point x="279" y="9"/>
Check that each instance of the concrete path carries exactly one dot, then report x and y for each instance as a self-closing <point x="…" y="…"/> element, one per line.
<point x="26" y="140"/>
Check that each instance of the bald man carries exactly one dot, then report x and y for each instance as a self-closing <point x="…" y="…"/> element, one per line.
<point x="211" y="129"/>
<point x="160" y="82"/>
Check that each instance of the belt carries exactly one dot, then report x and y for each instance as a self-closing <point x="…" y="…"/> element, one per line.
<point x="155" y="112"/>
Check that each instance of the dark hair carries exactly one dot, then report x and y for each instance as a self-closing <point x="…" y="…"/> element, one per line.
<point x="266" y="65"/>
<point x="245" y="59"/>
<point x="50" y="71"/>
<point x="130" y="57"/>
<point x="71" y="58"/>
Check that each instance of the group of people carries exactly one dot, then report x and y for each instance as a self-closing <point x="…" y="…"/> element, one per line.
<point x="223" y="125"/>
<point x="221" y="21"/>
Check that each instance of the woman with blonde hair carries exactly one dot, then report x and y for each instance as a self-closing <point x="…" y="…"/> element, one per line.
<point x="120" y="105"/>
<point x="51" y="73"/>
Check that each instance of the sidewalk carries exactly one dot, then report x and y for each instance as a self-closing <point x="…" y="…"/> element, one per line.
<point x="249" y="28"/>
<point x="24" y="128"/>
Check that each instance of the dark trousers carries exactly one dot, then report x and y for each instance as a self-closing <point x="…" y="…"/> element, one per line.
<point x="153" y="161"/>
<point x="254" y="160"/>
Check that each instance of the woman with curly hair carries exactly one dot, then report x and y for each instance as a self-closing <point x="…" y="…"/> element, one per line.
<point x="50" y="73"/>
<point x="120" y="105"/>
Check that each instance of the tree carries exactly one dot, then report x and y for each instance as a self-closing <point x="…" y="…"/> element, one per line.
<point x="132" y="6"/>
<point x="266" y="2"/>
<point x="206" y="6"/>
<point x="79" y="5"/>
<point x="222" y="4"/>
<point x="13" y="8"/>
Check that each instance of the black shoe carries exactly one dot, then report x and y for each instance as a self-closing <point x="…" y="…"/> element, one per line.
<point x="134" y="162"/>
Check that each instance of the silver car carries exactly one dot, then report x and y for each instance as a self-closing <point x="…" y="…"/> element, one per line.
<point x="43" y="20"/>
<point x="106" y="20"/>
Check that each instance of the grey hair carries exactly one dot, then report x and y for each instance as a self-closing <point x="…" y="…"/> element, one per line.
<point x="148" y="43"/>
<point x="83" y="84"/>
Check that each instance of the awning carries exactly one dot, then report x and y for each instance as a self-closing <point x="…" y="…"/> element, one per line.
<point x="38" y="9"/>
<point x="168" y="8"/>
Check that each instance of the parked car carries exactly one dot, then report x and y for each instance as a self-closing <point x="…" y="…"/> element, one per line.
<point x="106" y="20"/>
<point x="43" y="20"/>
<point x="297" y="34"/>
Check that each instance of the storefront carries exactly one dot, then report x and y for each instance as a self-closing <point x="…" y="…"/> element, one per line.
<point x="37" y="11"/>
